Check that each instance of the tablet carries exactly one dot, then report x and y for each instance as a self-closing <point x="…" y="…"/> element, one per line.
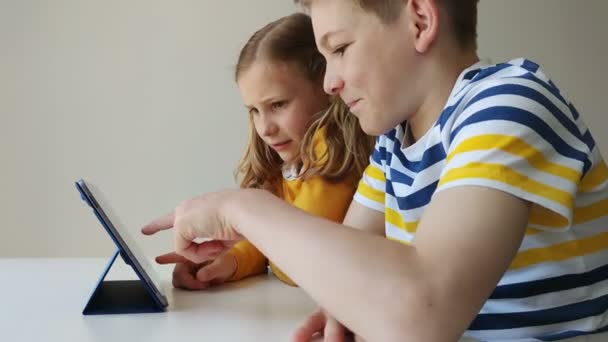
<point x="127" y="246"/>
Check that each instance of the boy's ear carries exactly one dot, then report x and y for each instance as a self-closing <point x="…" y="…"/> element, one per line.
<point x="423" y="22"/>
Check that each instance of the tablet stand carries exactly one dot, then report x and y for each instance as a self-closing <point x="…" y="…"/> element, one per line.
<point x="120" y="296"/>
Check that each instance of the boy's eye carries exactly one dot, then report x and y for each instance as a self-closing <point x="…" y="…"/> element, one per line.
<point x="340" y="50"/>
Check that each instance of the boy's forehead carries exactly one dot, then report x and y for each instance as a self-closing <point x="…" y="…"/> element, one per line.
<point x="329" y="8"/>
<point x="329" y="16"/>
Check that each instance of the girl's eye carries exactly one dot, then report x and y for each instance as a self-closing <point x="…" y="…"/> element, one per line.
<point x="253" y="111"/>
<point x="278" y="105"/>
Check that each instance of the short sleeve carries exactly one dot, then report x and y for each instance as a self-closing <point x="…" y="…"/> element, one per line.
<point x="517" y="136"/>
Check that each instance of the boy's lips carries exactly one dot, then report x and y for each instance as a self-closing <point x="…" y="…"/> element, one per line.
<point x="352" y="104"/>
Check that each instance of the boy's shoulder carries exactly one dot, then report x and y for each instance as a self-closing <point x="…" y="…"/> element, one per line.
<point x="504" y="77"/>
<point x="494" y="95"/>
<point x="518" y="84"/>
<point x="485" y="73"/>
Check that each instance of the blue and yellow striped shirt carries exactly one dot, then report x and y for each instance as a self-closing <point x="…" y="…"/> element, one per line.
<point x="508" y="127"/>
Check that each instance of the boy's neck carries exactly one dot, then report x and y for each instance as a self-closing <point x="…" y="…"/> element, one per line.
<point x="441" y="76"/>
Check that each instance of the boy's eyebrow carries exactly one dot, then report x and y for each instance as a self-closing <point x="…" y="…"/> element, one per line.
<point x="323" y="41"/>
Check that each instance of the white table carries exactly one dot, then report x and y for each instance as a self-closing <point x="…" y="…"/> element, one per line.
<point x="42" y="300"/>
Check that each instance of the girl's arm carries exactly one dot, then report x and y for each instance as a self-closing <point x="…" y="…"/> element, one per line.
<point x="249" y="260"/>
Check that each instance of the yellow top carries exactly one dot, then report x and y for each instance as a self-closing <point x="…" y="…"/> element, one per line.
<point x="316" y="196"/>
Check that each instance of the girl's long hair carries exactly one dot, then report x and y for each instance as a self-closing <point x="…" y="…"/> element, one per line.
<point x="291" y="40"/>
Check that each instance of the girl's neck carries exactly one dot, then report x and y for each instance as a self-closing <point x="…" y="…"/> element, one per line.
<point x="291" y="170"/>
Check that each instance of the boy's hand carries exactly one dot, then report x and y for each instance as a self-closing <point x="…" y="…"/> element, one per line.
<point x="202" y="218"/>
<point x="320" y="326"/>
<point x="191" y="276"/>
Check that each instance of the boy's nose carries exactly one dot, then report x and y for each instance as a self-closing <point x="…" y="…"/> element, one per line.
<point x="332" y="84"/>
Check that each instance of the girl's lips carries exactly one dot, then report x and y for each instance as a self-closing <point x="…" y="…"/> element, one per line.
<point x="281" y="146"/>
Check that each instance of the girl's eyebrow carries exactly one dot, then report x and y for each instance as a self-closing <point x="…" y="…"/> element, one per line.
<point x="266" y="100"/>
<point x="270" y="99"/>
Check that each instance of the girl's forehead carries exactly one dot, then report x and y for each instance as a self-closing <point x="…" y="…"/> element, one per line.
<point x="280" y="73"/>
<point x="262" y="81"/>
<point x="277" y="67"/>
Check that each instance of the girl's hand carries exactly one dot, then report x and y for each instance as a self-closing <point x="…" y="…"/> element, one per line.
<point x="191" y="276"/>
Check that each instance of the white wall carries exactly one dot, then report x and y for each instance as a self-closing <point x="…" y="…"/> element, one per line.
<point x="151" y="82"/>
<point x="137" y="95"/>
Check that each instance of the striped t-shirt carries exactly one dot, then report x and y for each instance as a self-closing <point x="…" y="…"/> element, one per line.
<point x="508" y="127"/>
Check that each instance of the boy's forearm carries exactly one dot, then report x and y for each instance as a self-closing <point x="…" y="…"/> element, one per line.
<point x="385" y="271"/>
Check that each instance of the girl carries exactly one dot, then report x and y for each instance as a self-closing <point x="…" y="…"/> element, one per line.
<point x="304" y="147"/>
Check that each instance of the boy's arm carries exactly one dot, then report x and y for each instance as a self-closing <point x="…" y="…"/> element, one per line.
<point x="429" y="291"/>
<point x="329" y="200"/>
<point x="249" y="260"/>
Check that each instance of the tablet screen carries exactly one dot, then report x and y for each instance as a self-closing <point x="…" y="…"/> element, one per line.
<point x="120" y="234"/>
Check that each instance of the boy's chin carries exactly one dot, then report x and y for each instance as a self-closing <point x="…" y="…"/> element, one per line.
<point x="374" y="123"/>
<point x="373" y="127"/>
